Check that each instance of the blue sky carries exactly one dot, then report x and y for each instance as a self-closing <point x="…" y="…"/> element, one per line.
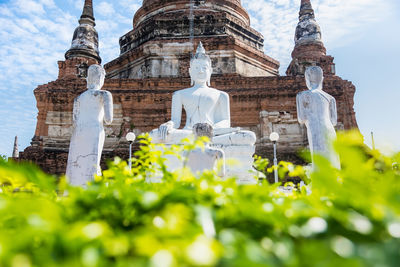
<point x="362" y="35"/>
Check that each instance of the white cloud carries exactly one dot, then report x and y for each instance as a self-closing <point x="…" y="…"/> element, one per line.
<point x="30" y="7"/>
<point x="48" y="3"/>
<point x="4" y="11"/>
<point x="130" y="5"/>
<point x="27" y="25"/>
<point x="105" y="9"/>
<point x="78" y="4"/>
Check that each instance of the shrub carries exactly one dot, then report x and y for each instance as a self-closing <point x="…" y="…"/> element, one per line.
<point x="351" y="217"/>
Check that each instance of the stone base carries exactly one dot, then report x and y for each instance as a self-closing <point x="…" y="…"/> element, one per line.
<point x="238" y="163"/>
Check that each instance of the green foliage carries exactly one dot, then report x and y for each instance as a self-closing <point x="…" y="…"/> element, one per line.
<point x="351" y="218"/>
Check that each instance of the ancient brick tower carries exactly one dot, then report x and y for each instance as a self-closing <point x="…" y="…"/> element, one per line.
<point x="154" y="63"/>
<point x="163" y="33"/>
<point x="84" y="49"/>
<point x="309" y="49"/>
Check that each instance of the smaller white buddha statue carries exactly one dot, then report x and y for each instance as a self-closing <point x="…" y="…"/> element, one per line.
<point x="202" y="104"/>
<point x="317" y="110"/>
<point x="201" y="159"/>
<point x="91" y="108"/>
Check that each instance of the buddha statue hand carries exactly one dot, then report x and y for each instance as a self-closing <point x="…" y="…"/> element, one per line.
<point x="164" y="129"/>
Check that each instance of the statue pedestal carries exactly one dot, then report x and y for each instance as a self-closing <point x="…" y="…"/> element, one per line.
<point x="238" y="163"/>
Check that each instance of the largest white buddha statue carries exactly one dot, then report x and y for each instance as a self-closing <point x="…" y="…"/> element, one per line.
<point x="202" y="104"/>
<point x="206" y="105"/>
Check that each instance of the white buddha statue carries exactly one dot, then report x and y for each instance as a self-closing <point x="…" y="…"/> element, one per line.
<point x="202" y="104"/>
<point x="317" y="110"/>
<point x="91" y="108"/>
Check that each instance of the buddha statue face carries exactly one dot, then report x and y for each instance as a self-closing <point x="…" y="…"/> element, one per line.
<point x="95" y="78"/>
<point x="200" y="67"/>
<point x="314" y="77"/>
<point x="200" y="71"/>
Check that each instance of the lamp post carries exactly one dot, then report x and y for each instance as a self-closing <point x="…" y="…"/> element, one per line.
<point x="130" y="137"/>
<point x="274" y="137"/>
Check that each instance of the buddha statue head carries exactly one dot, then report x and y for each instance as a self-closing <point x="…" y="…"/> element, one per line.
<point x="314" y="77"/>
<point x="200" y="67"/>
<point x="95" y="77"/>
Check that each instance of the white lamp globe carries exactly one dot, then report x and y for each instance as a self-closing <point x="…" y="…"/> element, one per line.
<point x="130" y="137"/>
<point x="274" y="136"/>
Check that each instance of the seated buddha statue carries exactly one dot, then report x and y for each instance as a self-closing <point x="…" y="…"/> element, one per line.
<point x="202" y="104"/>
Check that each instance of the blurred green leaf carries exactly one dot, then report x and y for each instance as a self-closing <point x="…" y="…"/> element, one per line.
<point x="351" y="217"/>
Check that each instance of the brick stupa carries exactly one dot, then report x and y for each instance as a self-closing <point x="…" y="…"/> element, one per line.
<point x="154" y="63"/>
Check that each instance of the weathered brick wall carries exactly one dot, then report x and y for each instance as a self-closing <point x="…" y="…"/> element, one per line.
<point x="55" y="161"/>
<point x="162" y="40"/>
<point x="145" y="104"/>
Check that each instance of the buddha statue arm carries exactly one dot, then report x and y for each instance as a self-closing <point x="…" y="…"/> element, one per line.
<point x="300" y="114"/>
<point x="222" y="114"/>
<point x="108" y="107"/>
<point x="176" y="110"/>
<point x="75" y="111"/>
<point x="333" y="111"/>
<point x="176" y="116"/>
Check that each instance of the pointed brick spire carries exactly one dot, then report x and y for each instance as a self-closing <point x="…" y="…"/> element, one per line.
<point x="306" y="8"/>
<point x="15" y="153"/>
<point x="85" y="42"/>
<point x="309" y="48"/>
<point x="307" y="29"/>
<point x="87" y="16"/>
